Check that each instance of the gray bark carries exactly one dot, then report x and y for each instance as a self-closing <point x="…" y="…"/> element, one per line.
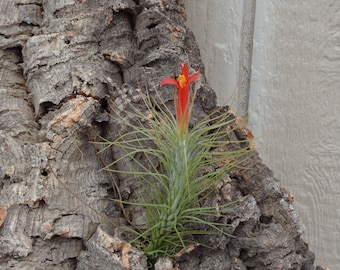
<point x="62" y="64"/>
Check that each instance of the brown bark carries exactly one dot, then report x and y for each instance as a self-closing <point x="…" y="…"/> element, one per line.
<point x="62" y="63"/>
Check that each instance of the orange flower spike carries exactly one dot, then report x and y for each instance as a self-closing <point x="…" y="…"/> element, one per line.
<point x="182" y="83"/>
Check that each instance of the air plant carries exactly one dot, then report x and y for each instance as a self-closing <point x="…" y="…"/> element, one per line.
<point x="177" y="187"/>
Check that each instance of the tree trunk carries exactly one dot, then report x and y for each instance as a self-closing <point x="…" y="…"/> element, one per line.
<point x="63" y="63"/>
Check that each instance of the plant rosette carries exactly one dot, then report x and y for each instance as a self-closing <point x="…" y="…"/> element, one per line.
<point x="177" y="189"/>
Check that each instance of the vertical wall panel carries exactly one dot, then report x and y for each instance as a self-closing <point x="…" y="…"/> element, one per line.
<point x="295" y="111"/>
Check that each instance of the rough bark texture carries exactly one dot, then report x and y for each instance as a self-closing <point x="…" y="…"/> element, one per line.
<point x="63" y="64"/>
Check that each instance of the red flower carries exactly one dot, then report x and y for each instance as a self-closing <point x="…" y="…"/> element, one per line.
<point x="182" y="99"/>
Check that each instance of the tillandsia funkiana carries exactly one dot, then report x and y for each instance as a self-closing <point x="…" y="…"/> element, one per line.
<point x="176" y="187"/>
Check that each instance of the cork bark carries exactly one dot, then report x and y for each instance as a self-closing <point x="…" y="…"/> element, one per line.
<point x="63" y="66"/>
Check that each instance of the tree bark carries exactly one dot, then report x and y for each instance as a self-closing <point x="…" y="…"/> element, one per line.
<point x="64" y="65"/>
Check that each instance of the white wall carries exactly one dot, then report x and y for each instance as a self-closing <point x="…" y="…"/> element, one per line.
<point x="294" y="105"/>
<point x="208" y="20"/>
